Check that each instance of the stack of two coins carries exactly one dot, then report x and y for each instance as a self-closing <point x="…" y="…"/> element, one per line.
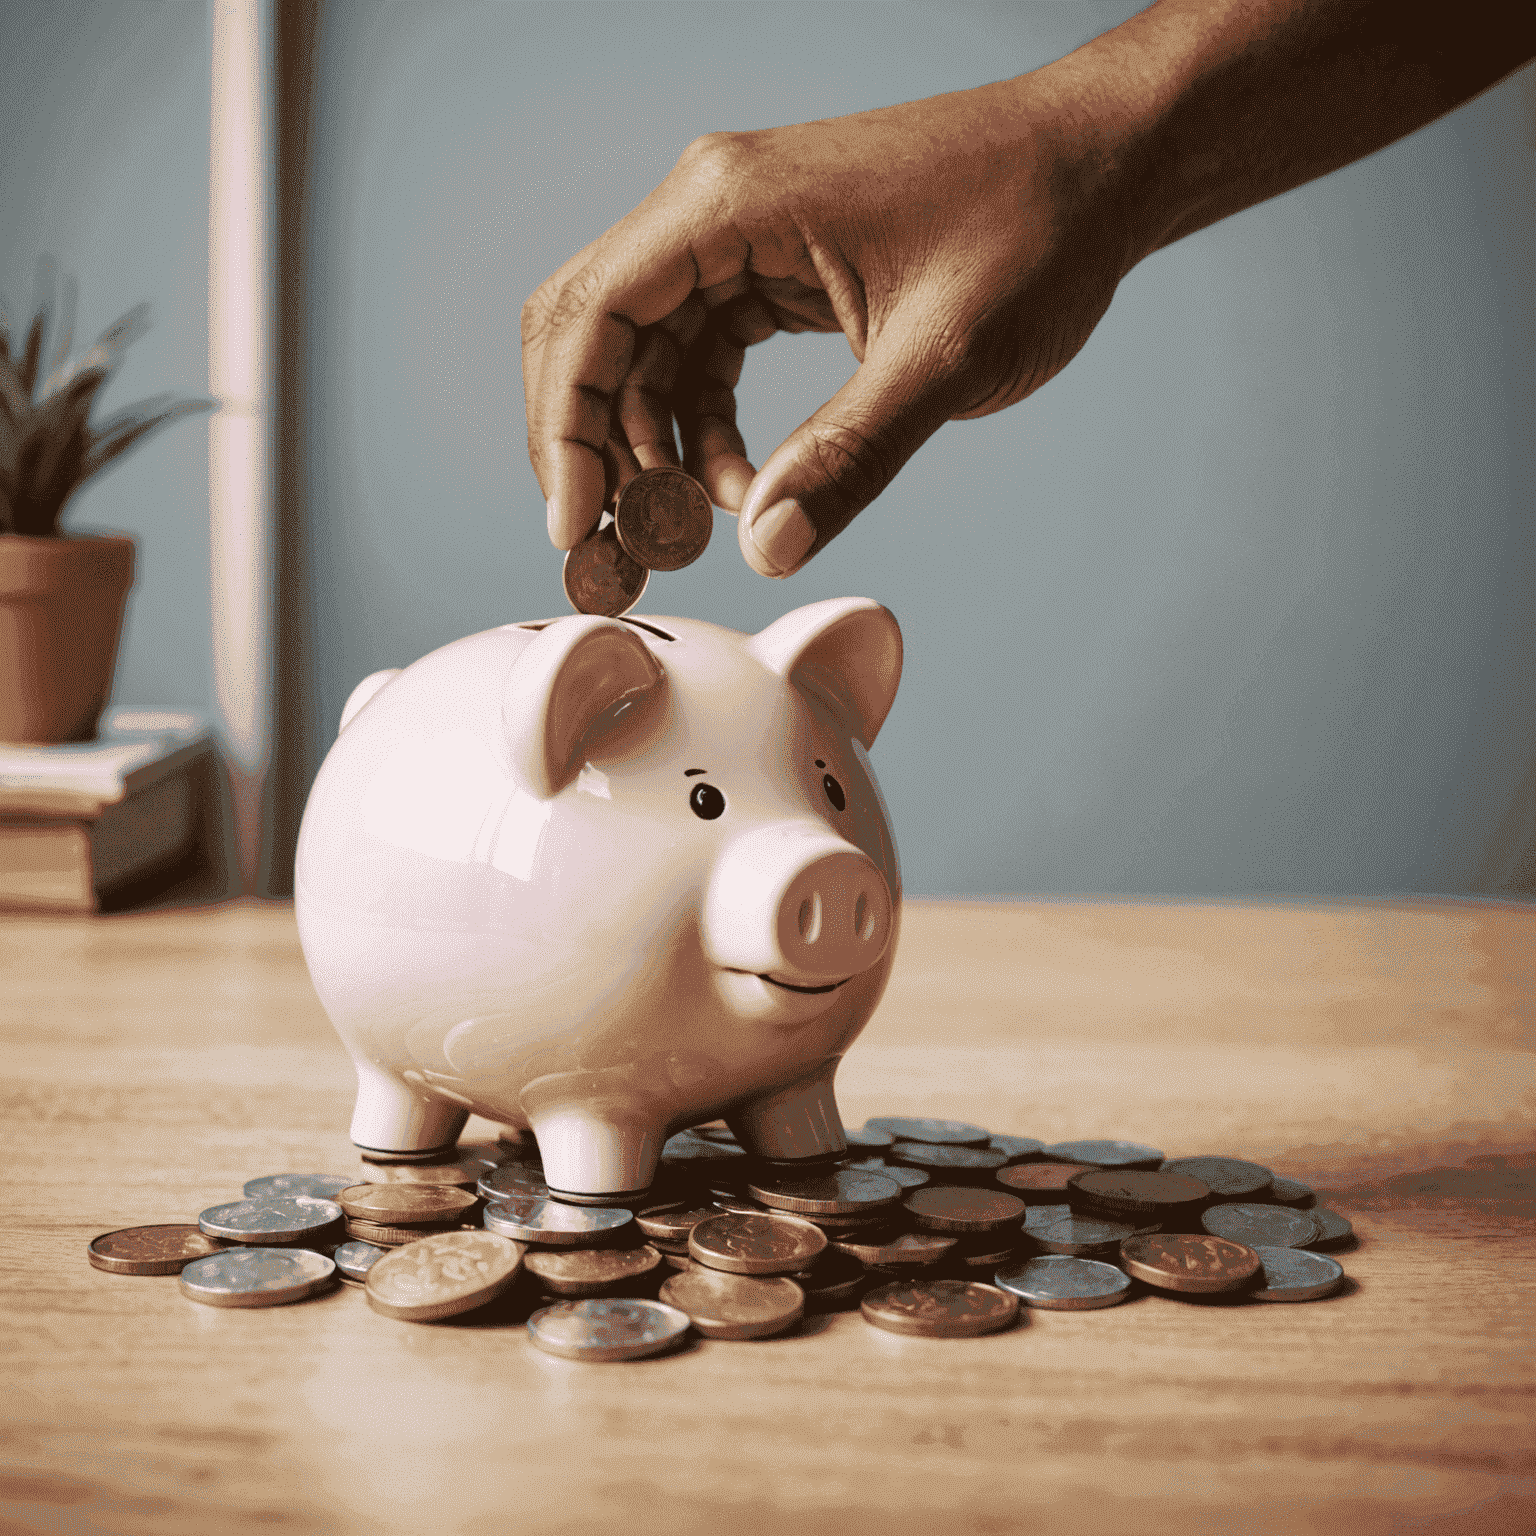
<point x="662" y="520"/>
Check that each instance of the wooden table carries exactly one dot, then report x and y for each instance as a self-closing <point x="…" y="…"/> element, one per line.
<point x="1379" y="1050"/>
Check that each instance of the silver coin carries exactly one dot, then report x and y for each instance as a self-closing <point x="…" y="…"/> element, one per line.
<point x="270" y="1219"/>
<point x="1105" y="1154"/>
<point x="1333" y="1230"/>
<point x="947" y="1133"/>
<point x="521" y="1179"/>
<point x="1045" y="1216"/>
<point x="603" y="1328"/>
<point x="868" y="1139"/>
<point x="355" y="1259"/>
<point x="1085" y="1236"/>
<point x="257" y="1277"/>
<point x="322" y="1186"/>
<point x="1227" y="1178"/>
<point x="1018" y="1149"/>
<point x="554" y="1224"/>
<point x="1270" y="1226"/>
<point x="1291" y="1192"/>
<point x="908" y="1178"/>
<point x="1294" y="1274"/>
<point x="836" y="1192"/>
<point x="1063" y="1284"/>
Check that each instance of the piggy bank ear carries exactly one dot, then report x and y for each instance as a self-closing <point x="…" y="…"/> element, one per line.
<point x="846" y="650"/>
<point x="575" y="675"/>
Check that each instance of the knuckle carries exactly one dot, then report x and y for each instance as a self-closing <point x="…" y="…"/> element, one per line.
<point x="853" y="464"/>
<point x="718" y="162"/>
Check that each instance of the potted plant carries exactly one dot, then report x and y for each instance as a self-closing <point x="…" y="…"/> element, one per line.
<point x="62" y="595"/>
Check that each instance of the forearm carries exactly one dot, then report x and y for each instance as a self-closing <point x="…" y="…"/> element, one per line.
<point x="1211" y="106"/>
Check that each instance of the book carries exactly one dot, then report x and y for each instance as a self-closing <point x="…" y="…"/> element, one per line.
<point x="82" y="822"/>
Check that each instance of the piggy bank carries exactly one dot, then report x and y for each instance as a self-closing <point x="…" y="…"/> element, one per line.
<point x="606" y="879"/>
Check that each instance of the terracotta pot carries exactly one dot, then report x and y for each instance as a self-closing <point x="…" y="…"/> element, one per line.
<point x="61" y="612"/>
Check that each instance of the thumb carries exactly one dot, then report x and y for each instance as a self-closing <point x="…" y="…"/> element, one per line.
<point x="831" y="467"/>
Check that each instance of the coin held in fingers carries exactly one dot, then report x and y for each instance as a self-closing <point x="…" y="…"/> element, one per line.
<point x="601" y="578"/>
<point x="663" y="519"/>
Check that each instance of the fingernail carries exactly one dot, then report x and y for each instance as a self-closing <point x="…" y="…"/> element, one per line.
<point x="782" y="535"/>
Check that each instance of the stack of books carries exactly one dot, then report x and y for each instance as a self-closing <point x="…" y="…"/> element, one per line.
<point x="82" y="824"/>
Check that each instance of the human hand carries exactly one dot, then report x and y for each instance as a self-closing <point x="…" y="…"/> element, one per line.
<point x="966" y="245"/>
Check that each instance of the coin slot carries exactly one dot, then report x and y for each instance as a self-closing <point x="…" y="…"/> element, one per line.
<point x="542" y="624"/>
<point x="650" y="629"/>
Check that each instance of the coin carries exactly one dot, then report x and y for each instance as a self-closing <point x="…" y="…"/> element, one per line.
<point x="893" y="1249"/>
<point x="664" y="519"/>
<point x="353" y="1260"/>
<point x="833" y="1279"/>
<point x="908" y="1178"/>
<point x="720" y="1133"/>
<point x="590" y="1271"/>
<point x="1044" y="1215"/>
<point x="1290" y="1192"/>
<point x="1293" y="1274"/>
<point x="257" y="1277"/>
<point x="1062" y="1284"/>
<point x="725" y="1306"/>
<point x="940" y="1309"/>
<point x="952" y="1133"/>
<point x="607" y="1328"/>
<point x="1168" y="1198"/>
<point x="1269" y="1226"/>
<point x="600" y="578"/>
<point x="1106" y="1154"/>
<point x="1198" y="1264"/>
<point x="271" y="1219"/>
<point x="949" y="1208"/>
<point x="870" y="1138"/>
<point x="686" y="1151"/>
<point x="1333" y="1230"/>
<point x="672" y="1222"/>
<point x="513" y="1179"/>
<point x="846" y="1226"/>
<point x="1084" y="1236"/>
<point x="395" y="1237"/>
<point x="159" y="1250"/>
<point x="755" y="1245"/>
<point x="466" y="1172"/>
<point x="1229" y="1178"/>
<point x="834" y="1192"/>
<point x="951" y="1163"/>
<point x="406" y="1205"/>
<point x="1039" y="1183"/>
<point x="554" y="1224"/>
<point x="986" y="1258"/>
<point x="323" y="1186"/>
<point x="443" y="1275"/>
<point x="1017" y="1149"/>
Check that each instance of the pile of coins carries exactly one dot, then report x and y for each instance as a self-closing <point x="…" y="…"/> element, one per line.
<point x="660" y="521"/>
<point x="933" y="1228"/>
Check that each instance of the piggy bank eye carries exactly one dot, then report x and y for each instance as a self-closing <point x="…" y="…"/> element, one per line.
<point x="706" y="802"/>
<point x="834" y="791"/>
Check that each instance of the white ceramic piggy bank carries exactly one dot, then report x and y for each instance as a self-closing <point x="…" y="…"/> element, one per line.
<point x="608" y="878"/>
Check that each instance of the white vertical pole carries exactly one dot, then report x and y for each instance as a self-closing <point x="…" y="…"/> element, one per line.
<point x="240" y="196"/>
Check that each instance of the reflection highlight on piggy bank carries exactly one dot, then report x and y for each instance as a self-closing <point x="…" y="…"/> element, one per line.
<point x="608" y="878"/>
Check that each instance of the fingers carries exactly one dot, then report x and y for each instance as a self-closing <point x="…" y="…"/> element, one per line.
<point x="832" y="466"/>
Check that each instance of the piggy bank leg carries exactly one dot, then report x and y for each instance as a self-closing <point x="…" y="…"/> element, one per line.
<point x="799" y="1120"/>
<point x="593" y="1158"/>
<point x="391" y="1116"/>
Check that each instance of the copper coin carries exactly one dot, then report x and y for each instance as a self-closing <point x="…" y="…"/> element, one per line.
<point x="946" y="1162"/>
<point x="1261" y="1226"/>
<point x="394" y="1237"/>
<point x="846" y="1226"/>
<point x="465" y="1173"/>
<point x="1229" y="1178"/>
<point x="1061" y="1284"/>
<point x="940" y="1309"/>
<point x="161" y="1250"/>
<point x="1291" y="1192"/>
<point x="987" y="1259"/>
<point x="1133" y="1192"/>
<point x="407" y="1205"/>
<point x="1106" y="1154"/>
<point x="443" y="1275"/>
<point x="1039" y="1183"/>
<point x="908" y="1178"/>
<point x="1198" y="1264"/>
<point x="1017" y="1149"/>
<point x="607" y="1328"/>
<point x="590" y="1271"/>
<point x="755" y="1245"/>
<point x="951" y="1133"/>
<point x="1333" y="1230"/>
<point x="323" y="1186"/>
<point x="726" y="1306"/>
<point x="673" y="1221"/>
<point x="832" y="1271"/>
<point x="257" y="1277"/>
<point x="1085" y="1237"/>
<point x="893" y="1249"/>
<point x="834" y="1192"/>
<point x="1292" y="1274"/>
<point x="946" y="1208"/>
<point x="271" y="1219"/>
<point x="600" y="577"/>
<point x="664" y="519"/>
<point x="513" y="1179"/>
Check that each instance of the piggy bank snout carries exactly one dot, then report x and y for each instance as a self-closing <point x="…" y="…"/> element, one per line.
<point x="796" y="904"/>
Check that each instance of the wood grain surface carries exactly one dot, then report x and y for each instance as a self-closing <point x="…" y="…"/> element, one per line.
<point x="1381" y="1051"/>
